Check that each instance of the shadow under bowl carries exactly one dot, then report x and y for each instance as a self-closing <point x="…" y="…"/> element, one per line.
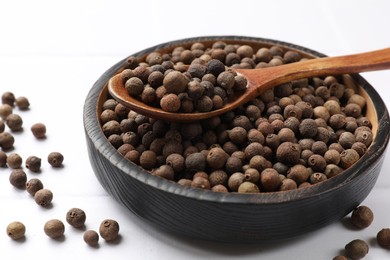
<point x="232" y="217"/>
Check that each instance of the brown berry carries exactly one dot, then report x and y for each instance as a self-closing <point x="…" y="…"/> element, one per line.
<point x="91" y="237"/>
<point x="383" y="237"/>
<point x="14" y="161"/>
<point x="55" y="159"/>
<point x="18" y="178"/>
<point x="34" y="185"/>
<point x="43" y="197"/>
<point x="22" y="103"/>
<point x="109" y="229"/>
<point x="14" y="122"/>
<point x="54" y="228"/>
<point x="16" y="230"/>
<point x="357" y="249"/>
<point x="39" y="129"/>
<point x="76" y="217"/>
<point x="362" y="217"/>
<point x="33" y="163"/>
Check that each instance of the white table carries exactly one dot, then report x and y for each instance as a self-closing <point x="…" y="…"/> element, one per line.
<point x="52" y="52"/>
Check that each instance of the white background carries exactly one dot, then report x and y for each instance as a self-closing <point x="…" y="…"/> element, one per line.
<point x="52" y="52"/>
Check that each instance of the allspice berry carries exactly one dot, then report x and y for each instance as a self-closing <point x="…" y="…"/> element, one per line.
<point x="109" y="229"/>
<point x="34" y="185"/>
<point x="248" y="187"/>
<point x="383" y="237"/>
<point x="362" y="217"/>
<point x="43" y="197"/>
<point x="357" y="249"/>
<point x="55" y="159"/>
<point x="16" y="230"/>
<point x="288" y="153"/>
<point x="14" y="122"/>
<point x="18" y="178"/>
<point x="91" y="237"/>
<point x="33" y="163"/>
<point x="54" y="228"/>
<point x="14" y="161"/>
<point x="76" y="217"/>
<point x="38" y="130"/>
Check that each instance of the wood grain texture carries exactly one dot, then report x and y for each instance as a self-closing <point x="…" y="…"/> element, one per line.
<point x="230" y="217"/>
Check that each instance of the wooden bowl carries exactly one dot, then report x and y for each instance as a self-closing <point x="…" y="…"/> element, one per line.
<point x="232" y="217"/>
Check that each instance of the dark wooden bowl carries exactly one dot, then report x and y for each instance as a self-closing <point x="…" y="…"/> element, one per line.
<point x="231" y="217"/>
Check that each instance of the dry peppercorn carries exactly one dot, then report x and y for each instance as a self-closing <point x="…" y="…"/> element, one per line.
<point x="5" y="110"/>
<point x="39" y="130"/>
<point x="109" y="229"/>
<point x="170" y="103"/>
<point x="14" y="122"/>
<point x="14" y="161"/>
<point x="33" y="163"/>
<point x="357" y="249"/>
<point x="200" y="182"/>
<point x="22" y="103"/>
<point x="348" y="157"/>
<point x="362" y="217"/>
<point x="298" y="173"/>
<point x="269" y="179"/>
<point x="33" y="185"/>
<point x="54" y="228"/>
<point x="43" y="197"/>
<point x="248" y="187"/>
<point x="18" y="178"/>
<point x="91" y="237"/>
<point x="8" y="98"/>
<point x="55" y="159"/>
<point x="16" y="230"/>
<point x="235" y="180"/>
<point x="76" y="217"/>
<point x="383" y="237"/>
<point x="288" y="153"/>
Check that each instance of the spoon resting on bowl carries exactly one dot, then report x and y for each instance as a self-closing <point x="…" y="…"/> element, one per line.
<point x="261" y="79"/>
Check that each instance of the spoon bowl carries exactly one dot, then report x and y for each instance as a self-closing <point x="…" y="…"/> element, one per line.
<point x="260" y="80"/>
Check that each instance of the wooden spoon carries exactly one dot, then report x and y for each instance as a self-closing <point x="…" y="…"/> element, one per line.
<point x="260" y="80"/>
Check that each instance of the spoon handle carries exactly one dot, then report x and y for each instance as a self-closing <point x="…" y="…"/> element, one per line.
<point x="264" y="78"/>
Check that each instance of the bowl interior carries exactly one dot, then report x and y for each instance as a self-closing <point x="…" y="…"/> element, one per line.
<point x="270" y="197"/>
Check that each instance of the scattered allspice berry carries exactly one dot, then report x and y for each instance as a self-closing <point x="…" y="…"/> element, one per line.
<point x="362" y="217"/>
<point x="18" y="178"/>
<point x="38" y="130"/>
<point x="91" y="237"/>
<point x="16" y="230"/>
<point x="22" y="103"/>
<point x="54" y="228"/>
<point x="14" y="122"/>
<point x="5" y="110"/>
<point x="43" y="197"/>
<point x="34" y="185"/>
<point x="109" y="229"/>
<point x="33" y="163"/>
<point x="356" y="249"/>
<point x="14" y="161"/>
<point x="76" y="217"/>
<point x="7" y="141"/>
<point x="8" y="98"/>
<point x="383" y="237"/>
<point x="55" y="159"/>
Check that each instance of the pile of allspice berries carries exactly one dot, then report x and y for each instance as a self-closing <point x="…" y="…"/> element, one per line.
<point x="292" y="136"/>
<point x="18" y="177"/>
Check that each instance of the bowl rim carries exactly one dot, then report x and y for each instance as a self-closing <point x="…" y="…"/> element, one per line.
<point x="95" y="134"/>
